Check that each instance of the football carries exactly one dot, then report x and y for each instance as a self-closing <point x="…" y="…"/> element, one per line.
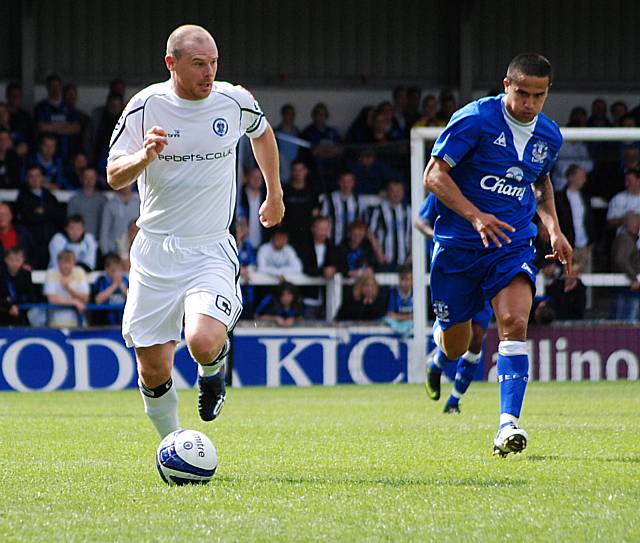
<point x="186" y="457"/>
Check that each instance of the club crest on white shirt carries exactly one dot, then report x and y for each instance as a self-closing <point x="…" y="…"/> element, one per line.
<point x="220" y="126"/>
<point x="539" y="152"/>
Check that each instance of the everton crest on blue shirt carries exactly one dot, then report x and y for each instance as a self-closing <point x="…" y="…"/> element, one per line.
<point x="539" y="152"/>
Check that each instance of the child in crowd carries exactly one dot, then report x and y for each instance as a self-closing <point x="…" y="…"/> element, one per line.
<point x="282" y="307"/>
<point x="364" y="302"/>
<point x="400" y="307"/>
<point x="111" y="288"/>
<point x="66" y="284"/>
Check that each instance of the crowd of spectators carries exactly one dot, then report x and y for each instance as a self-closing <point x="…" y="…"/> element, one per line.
<point x="347" y="210"/>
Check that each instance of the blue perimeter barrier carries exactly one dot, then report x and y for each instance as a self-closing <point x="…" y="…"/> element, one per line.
<point x="86" y="359"/>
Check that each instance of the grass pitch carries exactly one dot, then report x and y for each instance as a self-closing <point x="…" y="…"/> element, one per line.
<point x="350" y="463"/>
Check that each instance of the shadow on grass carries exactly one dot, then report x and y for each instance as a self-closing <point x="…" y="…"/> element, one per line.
<point x="542" y="457"/>
<point x="396" y="482"/>
<point x="624" y="460"/>
<point x="556" y="457"/>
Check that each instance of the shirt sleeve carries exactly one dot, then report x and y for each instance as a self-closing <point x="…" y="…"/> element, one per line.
<point x="56" y="245"/>
<point x="50" y="283"/>
<point x="428" y="210"/>
<point x="552" y="157"/>
<point x="392" y="306"/>
<point x="80" y="281"/>
<point x="459" y="137"/>
<point x="252" y="122"/>
<point x="616" y="208"/>
<point x="127" y="135"/>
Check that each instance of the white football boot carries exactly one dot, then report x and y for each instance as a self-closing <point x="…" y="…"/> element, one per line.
<point x="510" y="439"/>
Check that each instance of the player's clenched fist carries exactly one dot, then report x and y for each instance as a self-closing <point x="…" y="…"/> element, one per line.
<point x="271" y="212"/>
<point x="155" y="140"/>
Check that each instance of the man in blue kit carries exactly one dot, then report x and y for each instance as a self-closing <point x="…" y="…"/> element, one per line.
<point x="467" y="364"/>
<point x="490" y="168"/>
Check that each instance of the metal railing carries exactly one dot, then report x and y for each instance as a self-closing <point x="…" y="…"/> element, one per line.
<point x="334" y="287"/>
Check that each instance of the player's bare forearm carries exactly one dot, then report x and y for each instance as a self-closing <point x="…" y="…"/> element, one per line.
<point x="546" y="206"/>
<point x="546" y="209"/>
<point x="424" y="227"/>
<point x="490" y="228"/>
<point x="125" y="170"/>
<point x="437" y="180"/>
<point x="265" y="149"/>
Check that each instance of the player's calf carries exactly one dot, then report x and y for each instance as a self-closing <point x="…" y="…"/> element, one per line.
<point x="513" y="366"/>
<point x="465" y="371"/>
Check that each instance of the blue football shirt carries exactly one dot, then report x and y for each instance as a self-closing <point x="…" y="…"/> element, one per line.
<point x="494" y="160"/>
<point x="427" y="211"/>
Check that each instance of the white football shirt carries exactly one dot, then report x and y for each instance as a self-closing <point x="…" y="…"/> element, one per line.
<point x="189" y="191"/>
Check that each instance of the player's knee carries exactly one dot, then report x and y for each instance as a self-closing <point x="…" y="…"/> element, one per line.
<point x="153" y="376"/>
<point x="205" y="348"/>
<point x="453" y="352"/>
<point x="514" y="325"/>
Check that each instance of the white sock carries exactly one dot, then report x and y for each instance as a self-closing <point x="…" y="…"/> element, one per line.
<point x="437" y="334"/>
<point x="162" y="409"/>
<point x="506" y="418"/>
<point x="211" y="369"/>
<point x="472" y="358"/>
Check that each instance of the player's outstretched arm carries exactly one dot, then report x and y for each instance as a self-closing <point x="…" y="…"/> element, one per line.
<point x="126" y="169"/>
<point x="546" y="209"/>
<point x="265" y="150"/>
<point x="437" y="180"/>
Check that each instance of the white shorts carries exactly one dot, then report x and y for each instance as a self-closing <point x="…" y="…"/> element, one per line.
<point x="172" y="277"/>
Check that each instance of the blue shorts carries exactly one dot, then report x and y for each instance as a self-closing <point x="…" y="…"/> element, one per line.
<point x="483" y="317"/>
<point x="463" y="279"/>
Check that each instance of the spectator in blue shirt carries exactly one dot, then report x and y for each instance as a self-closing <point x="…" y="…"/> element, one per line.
<point x="325" y="143"/>
<point x="46" y="158"/>
<point x="371" y="174"/>
<point x="282" y="307"/>
<point x="111" y="288"/>
<point x="400" y="307"/>
<point x="52" y="115"/>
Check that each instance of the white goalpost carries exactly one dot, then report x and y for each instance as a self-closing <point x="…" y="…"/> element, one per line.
<point x="419" y="158"/>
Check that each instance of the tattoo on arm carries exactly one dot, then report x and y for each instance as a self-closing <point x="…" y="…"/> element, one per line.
<point x="543" y="189"/>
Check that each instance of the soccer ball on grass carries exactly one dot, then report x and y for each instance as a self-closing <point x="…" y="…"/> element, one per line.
<point x="186" y="457"/>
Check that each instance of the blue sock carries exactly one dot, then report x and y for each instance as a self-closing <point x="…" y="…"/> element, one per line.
<point x="466" y="369"/>
<point x="513" y="374"/>
<point x="439" y="361"/>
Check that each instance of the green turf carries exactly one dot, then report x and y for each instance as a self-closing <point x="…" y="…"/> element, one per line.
<point x="351" y="463"/>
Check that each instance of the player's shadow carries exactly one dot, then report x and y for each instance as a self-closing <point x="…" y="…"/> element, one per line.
<point x="624" y="460"/>
<point x="395" y="482"/>
<point x="542" y="457"/>
<point x="555" y="457"/>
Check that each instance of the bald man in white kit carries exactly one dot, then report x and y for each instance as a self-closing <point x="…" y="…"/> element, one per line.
<point x="178" y="140"/>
